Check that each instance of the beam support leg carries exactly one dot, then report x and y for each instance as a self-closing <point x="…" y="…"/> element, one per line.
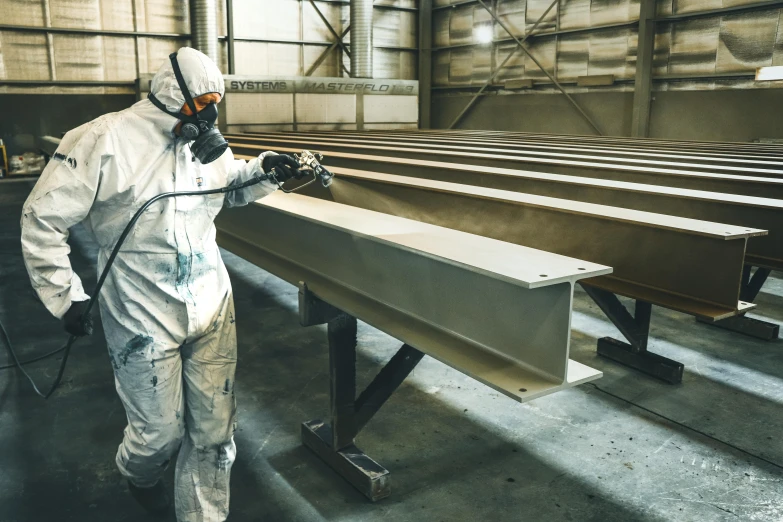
<point x="636" y="329"/>
<point x="334" y="442"/>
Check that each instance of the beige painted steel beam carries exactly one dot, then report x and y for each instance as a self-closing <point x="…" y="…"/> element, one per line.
<point x="750" y="149"/>
<point x="746" y="211"/>
<point x="346" y="155"/>
<point x="705" y="145"/>
<point x="495" y="311"/>
<point x="702" y="160"/>
<point x="488" y="154"/>
<point x="682" y="264"/>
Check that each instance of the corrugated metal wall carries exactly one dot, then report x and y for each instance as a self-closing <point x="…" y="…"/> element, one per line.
<point x="101" y="47"/>
<point x="286" y="37"/>
<point x="597" y="37"/>
<point x="105" y="44"/>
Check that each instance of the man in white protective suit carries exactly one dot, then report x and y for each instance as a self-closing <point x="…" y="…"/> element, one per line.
<point x="167" y="306"/>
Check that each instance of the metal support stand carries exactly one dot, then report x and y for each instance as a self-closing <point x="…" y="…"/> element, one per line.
<point x="751" y="286"/>
<point x="636" y="329"/>
<point x="334" y="443"/>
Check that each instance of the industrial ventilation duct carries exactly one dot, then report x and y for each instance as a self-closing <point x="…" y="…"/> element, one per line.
<point x="361" y="38"/>
<point x="204" y="28"/>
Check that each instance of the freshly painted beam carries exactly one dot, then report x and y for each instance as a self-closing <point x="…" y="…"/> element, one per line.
<point x="683" y="264"/>
<point x="697" y="162"/>
<point x="729" y="156"/>
<point x="496" y="311"/>
<point x="747" y="211"/>
<point x="346" y="156"/>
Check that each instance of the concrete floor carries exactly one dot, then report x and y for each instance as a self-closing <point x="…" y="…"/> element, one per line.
<point x="457" y="450"/>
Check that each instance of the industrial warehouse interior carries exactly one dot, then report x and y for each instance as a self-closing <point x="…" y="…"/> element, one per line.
<point x="393" y="260"/>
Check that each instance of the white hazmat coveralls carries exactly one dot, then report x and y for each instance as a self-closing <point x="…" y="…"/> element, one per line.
<point x="167" y="306"/>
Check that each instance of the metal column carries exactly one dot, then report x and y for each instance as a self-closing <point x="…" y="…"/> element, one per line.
<point x="425" y="64"/>
<point x="640" y="121"/>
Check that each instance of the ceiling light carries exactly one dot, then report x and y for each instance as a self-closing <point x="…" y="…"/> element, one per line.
<point x="769" y="73"/>
<point x="484" y="34"/>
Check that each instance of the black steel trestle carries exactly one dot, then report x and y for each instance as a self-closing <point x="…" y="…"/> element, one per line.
<point x="751" y="286"/>
<point x="636" y="329"/>
<point x="334" y="442"/>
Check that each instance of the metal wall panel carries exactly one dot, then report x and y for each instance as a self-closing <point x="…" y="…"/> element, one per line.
<point x="76" y="14"/>
<point x="157" y="51"/>
<point x="663" y="40"/>
<point x="388" y="109"/>
<point x="410" y="4"/>
<point x="609" y="53"/>
<point x="330" y="108"/>
<point x="314" y="28"/>
<point x="391" y="126"/>
<point x="573" y="56"/>
<point x="22" y="12"/>
<point x="441" y="22"/>
<point x="441" y="68"/>
<point x="329" y="67"/>
<point x="694" y="46"/>
<point x="544" y="51"/>
<point x="777" y="50"/>
<point x="409" y="66"/>
<point x="394" y="28"/>
<point x="515" y="67"/>
<point x="255" y="108"/>
<point x="167" y="16"/>
<point x="512" y="14"/>
<point x="305" y="127"/>
<point x="739" y="42"/>
<point x="535" y="9"/>
<point x="259" y="58"/>
<point x="738" y="52"/>
<point x="118" y="58"/>
<point x="116" y="15"/>
<point x="24" y="56"/>
<point x="269" y="19"/>
<point x="461" y="25"/>
<point x="84" y="57"/>
<point x="604" y="12"/>
<point x="575" y="14"/>
<point x="461" y="67"/>
<point x="78" y="57"/>
<point x="689" y="6"/>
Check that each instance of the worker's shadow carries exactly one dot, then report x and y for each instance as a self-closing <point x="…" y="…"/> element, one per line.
<point x="445" y="463"/>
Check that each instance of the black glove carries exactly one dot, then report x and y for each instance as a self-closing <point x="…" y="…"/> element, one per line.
<point x="76" y="323"/>
<point x="285" y="167"/>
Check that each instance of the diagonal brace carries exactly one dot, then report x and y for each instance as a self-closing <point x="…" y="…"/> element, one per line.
<point x="538" y="64"/>
<point x="502" y="65"/>
<point x="751" y="286"/>
<point x="338" y="38"/>
<point x="636" y="327"/>
<point x="326" y="52"/>
<point x="384" y="384"/>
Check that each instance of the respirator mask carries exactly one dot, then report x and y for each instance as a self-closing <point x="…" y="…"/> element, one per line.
<point x="208" y="144"/>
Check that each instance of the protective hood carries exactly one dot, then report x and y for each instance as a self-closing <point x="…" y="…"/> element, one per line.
<point x="201" y="77"/>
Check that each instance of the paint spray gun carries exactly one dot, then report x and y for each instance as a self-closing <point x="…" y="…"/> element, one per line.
<point x="311" y="165"/>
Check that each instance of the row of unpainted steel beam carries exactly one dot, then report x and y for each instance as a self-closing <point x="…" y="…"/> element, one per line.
<point x="674" y="230"/>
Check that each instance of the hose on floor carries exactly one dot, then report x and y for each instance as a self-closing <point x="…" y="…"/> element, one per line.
<point x="72" y="339"/>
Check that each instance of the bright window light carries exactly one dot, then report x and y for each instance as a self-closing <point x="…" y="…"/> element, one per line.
<point x="484" y="34"/>
<point x="765" y="74"/>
